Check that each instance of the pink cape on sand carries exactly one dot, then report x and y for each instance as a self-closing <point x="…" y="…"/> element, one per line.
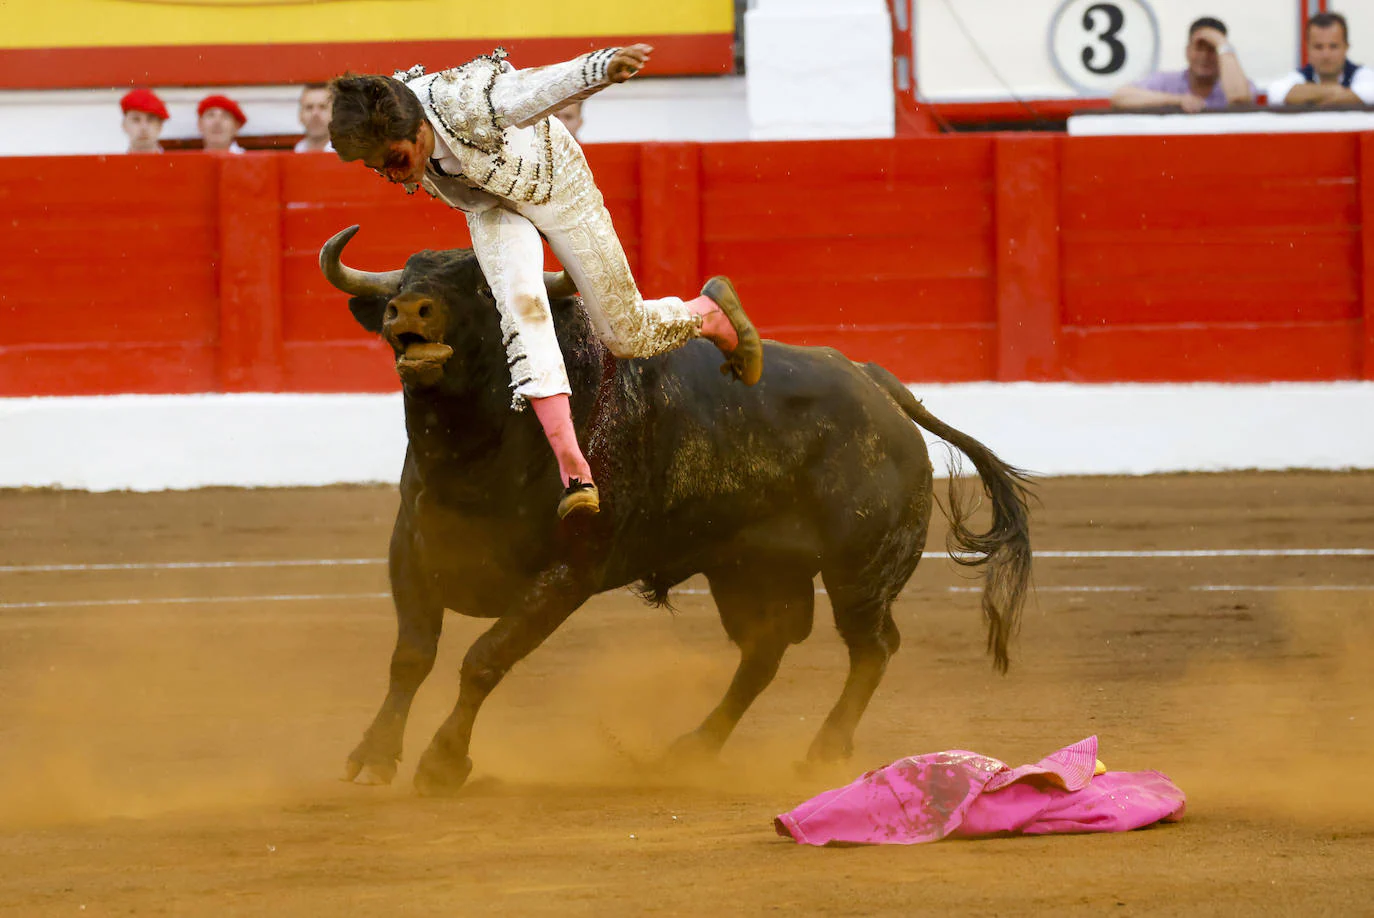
<point x="963" y="794"/>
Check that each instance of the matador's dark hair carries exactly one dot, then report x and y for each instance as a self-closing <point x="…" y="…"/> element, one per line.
<point x="371" y="112"/>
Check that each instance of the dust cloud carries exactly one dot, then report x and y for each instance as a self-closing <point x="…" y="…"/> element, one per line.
<point x="131" y="716"/>
<point x="144" y="714"/>
<point x="139" y="715"/>
<point x="1289" y="735"/>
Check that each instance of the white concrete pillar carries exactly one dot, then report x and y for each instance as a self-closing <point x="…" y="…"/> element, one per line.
<point x="819" y="69"/>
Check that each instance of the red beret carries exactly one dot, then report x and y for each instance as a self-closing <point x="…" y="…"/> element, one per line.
<point x="143" y="100"/>
<point x="224" y="102"/>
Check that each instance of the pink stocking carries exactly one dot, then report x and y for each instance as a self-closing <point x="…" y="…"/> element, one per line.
<point x="555" y="416"/>
<point x="714" y="326"/>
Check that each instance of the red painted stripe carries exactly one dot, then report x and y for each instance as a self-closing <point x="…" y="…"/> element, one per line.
<point x="221" y="65"/>
<point x="1094" y="163"/>
<point x="1365" y="272"/>
<point x="803" y="299"/>
<point x="818" y="165"/>
<point x="342" y="366"/>
<point x="1213" y="353"/>
<point x="870" y="209"/>
<point x="1014" y="112"/>
<point x="104" y="369"/>
<point x="1028" y="253"/>
<point x="250" y="274"/>
<point x="915" y="353"/>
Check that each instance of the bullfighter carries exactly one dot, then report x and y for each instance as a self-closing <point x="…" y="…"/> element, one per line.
<point x="479" y="138"/>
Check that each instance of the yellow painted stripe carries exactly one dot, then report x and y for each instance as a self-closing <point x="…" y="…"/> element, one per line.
<point x="120" y="23"/>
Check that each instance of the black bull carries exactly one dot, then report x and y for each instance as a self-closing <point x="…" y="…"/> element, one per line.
<point x="817" y="469"/>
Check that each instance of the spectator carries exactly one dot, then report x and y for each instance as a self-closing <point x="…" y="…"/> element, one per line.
<point x="571" y="116"/>
<point x="314" y="112"/>
<point x="220" y="120"/>
<point x="1330" y="78"/>
<point x="1214" y="78"/>
<point x="144" y="115"/>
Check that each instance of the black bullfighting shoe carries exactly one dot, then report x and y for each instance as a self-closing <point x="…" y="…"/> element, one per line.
<point x="579" y="497"/>
<point x="745" y="362"/>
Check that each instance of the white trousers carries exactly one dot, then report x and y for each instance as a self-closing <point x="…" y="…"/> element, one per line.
<point x="579" y="231"/>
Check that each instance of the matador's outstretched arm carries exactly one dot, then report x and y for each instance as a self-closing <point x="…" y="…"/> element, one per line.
<point x="522" y="97"/>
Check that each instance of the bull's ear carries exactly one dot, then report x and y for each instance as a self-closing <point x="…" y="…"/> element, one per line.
<point x="368" y="311"/>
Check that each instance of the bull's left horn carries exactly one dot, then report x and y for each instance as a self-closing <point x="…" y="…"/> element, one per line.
<point x="350" y="280"/>
<point x="559" y="285"/>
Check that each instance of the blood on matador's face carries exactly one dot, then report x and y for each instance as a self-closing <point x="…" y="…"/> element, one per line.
<point x="403" y="161"/>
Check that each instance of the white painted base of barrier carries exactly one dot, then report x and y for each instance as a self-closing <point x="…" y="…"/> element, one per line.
<point x="159" y="442"/>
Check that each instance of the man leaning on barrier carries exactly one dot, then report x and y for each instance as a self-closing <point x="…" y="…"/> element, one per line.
<point x="1330" y="77"/>
<point x="1213" y="79"/>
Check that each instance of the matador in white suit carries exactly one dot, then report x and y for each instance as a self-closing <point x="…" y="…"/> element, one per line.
<point x="479" y="137"/>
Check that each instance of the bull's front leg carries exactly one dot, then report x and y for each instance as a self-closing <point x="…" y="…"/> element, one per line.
<point x="445" y="765"/>
<point x="419" y="620"/>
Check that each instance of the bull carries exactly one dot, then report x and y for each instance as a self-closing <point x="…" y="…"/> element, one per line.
<point x="817" y="469"/>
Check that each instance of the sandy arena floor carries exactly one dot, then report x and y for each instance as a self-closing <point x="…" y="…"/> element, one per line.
<point x="172" y="736"/>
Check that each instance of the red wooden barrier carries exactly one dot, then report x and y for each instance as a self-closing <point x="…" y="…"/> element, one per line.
<point x="669" y="219"/>
<point x="1367" y="249"/>
<point x="250" y="274"/>
<point x="882" y="249"/>
<point x="1229" y="258"/>
<point x="1027" y="182"/>
<point x="108" y="275"/>
<point x="946" y="259"/>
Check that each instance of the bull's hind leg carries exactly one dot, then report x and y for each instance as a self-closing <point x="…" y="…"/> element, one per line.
<point x="865" y="622"/>
<point x="419" y="619"/>
<point x="763" y="609"/>
<point x="871" y="553"/>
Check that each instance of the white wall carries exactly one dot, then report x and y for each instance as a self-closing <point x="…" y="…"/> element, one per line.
<point x="668" y="109"/>
<point x="1359" y="15"/>
<point x="53" y="122"/>
<point x="149" y="443"/>
<point x="34" y="123"/>
<point x="819" y="69"/>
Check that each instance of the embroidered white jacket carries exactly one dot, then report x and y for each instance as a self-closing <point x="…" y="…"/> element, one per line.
<point x="494" y="119"/>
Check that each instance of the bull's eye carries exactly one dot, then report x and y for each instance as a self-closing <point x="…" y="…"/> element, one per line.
<point x="391" y="312"/>
<point x="424" y="311"/>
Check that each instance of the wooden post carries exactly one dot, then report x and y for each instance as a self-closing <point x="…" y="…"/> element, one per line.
<point x="250" y="249"/>
<point x="1026" y="237"/>
<point x="670" y="219"/>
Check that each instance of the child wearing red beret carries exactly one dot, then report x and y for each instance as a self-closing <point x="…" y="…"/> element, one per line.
<point x="220" y="120"/>
<point x="144" y="115"/>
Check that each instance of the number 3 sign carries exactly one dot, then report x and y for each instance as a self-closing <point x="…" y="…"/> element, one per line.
<point x="1100" y="45"/>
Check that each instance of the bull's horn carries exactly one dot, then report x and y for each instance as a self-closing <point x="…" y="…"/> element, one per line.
<point x="349" y="280"/>
<point x="559" y="285"/>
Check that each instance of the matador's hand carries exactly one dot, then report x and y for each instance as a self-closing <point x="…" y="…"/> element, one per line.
<point x="627" y="62"/>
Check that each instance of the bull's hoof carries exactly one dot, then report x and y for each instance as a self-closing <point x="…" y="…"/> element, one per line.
<point x="440" y="777"/>
<point x="830" y="747"/>
<point x="362" y="768"/>
<point x="691" y="750"/>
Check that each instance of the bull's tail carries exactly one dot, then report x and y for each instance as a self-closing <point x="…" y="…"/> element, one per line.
<point x="1004" y="550"/>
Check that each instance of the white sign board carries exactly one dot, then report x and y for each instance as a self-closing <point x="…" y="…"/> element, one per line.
<point x="999" y="50"/>
<point x="1097" y="45"/>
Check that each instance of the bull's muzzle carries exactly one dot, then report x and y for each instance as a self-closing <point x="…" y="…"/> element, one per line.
<point x="413" y="325"/>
